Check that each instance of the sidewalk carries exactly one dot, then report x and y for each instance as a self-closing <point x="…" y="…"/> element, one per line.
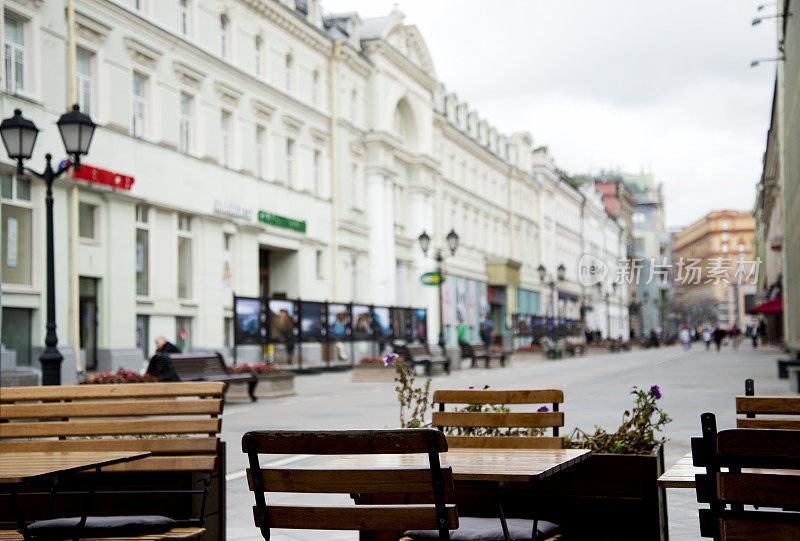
<point x="597" y="391"/>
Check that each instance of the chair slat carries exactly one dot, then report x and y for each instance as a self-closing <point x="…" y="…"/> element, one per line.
<point x="111" y="408"/>
<point x="371" y="481"/>
<point x="157" y="446"/>
<point x="362" y="517"/>
<point x="776" y="405"/>
<point x="336" y="442"/>
<point x="759" y="488"/>
<point x="87" y="392"/>
<point x="759" y="443"/>
<point x="200" y="463"/>
<point x="481" y="396"/>
<point x="111" y="427"/>
<point x="474" y="419"/>
<point x="761" y="422"/>
<point x="505" y="442"/>
<point x="746" y="530"/>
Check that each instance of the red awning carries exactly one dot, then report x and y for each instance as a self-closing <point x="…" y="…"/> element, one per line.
<point x="774" y="306"/>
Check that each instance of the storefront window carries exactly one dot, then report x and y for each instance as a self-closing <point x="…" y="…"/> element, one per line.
<point x="16" y="333"/>
<point x="16" y="245"/>
<point x="183" y="333"/>
<point x="142" y="262"/>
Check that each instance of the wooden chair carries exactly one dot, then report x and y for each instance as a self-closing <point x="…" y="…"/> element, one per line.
<point x="783" y="412"/>
<point x="434" y="480"/>
<point x="471" y="428"/>
<point x="209" y="366"/>
<point x="762" y="471"/>
<point x="178" y="423"/>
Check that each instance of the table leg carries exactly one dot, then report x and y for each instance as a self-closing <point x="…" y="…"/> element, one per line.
<point x="87" y="505"/>
<point x="23" y="528"/>
<point x="502" y="513"/>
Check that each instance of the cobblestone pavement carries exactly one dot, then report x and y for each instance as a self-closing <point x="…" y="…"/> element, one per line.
<point x="597" y="391"/>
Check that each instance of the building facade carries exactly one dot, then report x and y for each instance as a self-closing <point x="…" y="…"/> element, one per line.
<point x="261" y="148"/>
<point x="716" y="262"/>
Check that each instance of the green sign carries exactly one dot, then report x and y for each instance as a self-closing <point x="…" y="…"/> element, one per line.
<point x="432" y="279"/>
<point x="281" y="221"/>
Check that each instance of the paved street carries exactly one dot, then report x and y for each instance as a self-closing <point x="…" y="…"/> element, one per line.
<point x="596" y="389"/>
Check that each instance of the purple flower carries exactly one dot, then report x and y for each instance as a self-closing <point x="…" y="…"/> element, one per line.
<point x="652" y="409"/>
<point x="655" y="392"/>
<point x="471" y="387"/>
<point x="390" y="358"/>
<point x="543" y="409"/>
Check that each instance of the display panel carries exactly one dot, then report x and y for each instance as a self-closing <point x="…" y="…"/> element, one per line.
<point x="408" y="324"/>
<point x="421" y="324"/>
<point x="282" y="320"/>
<point x="381" y="323"/>
<point x="362" y="322"/>
<point x="339" y="322"/>
<point x="312" y="321"/>
<point x="249" y="320"/>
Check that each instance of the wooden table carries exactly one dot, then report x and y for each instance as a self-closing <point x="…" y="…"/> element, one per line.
<point x="21" y="468"/>
<point x="681" y="475"/>
<point x="488" y="465"/>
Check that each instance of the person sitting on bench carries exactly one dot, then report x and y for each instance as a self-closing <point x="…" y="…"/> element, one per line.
<point x="160" y="364"/>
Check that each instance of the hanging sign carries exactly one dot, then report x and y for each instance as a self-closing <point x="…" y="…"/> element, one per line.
<point x="101" y="176"/>
<point x="431" y="279"/>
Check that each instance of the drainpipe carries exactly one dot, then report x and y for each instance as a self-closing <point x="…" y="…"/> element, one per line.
<point x="74" y="309"/>
<point x="337" y="50"/>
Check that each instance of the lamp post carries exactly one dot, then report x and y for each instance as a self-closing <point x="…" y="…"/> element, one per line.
<point x="19" y="136"/>
<point x="551" y="282"/>
<point x="607" y="296"/>
<point x="452" y="244"/>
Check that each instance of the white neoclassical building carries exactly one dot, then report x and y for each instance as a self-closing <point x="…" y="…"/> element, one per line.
<point x="262" y="148"/>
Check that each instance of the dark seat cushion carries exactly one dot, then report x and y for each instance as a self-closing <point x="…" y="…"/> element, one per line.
<point x="101" y="526"/>
<point x="490" y="529"/>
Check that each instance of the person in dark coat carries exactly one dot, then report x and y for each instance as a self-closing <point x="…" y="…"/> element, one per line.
<point x="161" y="365"/>
<point x="719" y="336"/>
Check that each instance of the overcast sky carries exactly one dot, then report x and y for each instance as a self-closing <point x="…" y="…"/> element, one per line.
<point x="614" y="84"/>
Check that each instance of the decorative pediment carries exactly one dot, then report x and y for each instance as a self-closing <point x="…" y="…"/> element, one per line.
<point x="292" y="122"/>
<point x="263" y="110"/>
<point x="140" y="53"/>
<point x="187" y="74"/>
<point x="228" y="94"/>
<point x="409" y="42"/>
<point x="319" y="136"/>
<point x="91" y="29"/>
<point x="357" y="149"/>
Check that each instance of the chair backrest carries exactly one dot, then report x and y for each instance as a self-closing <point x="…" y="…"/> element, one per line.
<point x="198" y="365"/>
<point x="433" y="481"/>
<point x="178" y="423"/>
<point x="499" y="429"/>
<point x="748" y="467"/>
<point x="782" y="412"/>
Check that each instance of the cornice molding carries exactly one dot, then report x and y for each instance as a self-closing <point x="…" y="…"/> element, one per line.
<point x="187" y="74"/>
<point x="281" y="16"/>
<point x="318" y="135"/>
<point x="263" y="110"/>
<point x="89" y="28"/>
<point x="292" y="122"/>
<point x="140" y="53"/>
<point x="227" y="94"/>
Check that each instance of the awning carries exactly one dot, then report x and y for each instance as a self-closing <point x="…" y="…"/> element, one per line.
<point x="774" y="306"/>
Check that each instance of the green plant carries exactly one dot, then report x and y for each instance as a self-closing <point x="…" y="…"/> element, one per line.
<point x="414" y="401"/>
<point x="493" y="431"/>
<point x="637" y="433"/>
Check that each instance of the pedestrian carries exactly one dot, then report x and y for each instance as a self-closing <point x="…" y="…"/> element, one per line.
<point x="719" y="336"/>
<point x="754" y="336"/>
<point x="707" y="338"/>
<point x="653" y="339"/>
<point x="461" y="333"/>
<point x="686" y="338"/>
<point x="486" y="329"/>
<point x="736" y="336"/>
<point x="160" y="365"/>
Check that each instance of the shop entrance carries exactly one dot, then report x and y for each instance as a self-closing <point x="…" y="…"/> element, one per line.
<point x="88" y="322"/>
<point x="263" y="272"/>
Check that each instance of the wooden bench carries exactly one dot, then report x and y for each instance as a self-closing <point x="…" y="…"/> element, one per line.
<point x="483" y="429"/>
<point x="782" y="412"/>
<point x="785" y="364"/>
<point x="420" y="354"/>
<point x="178" y="423"/>
<point x="477" y="351"/>
<point x="209" y="366"/>
<point x="761" y="471"/>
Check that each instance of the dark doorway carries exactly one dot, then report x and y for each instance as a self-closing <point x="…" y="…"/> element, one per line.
<point x="143" y="334"/>
<point x="88" y="323"/>
<point x="263" y="272"/>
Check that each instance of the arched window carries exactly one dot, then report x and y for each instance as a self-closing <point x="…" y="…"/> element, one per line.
<point x="400" y="124"/>
<point x="403" y="123"/>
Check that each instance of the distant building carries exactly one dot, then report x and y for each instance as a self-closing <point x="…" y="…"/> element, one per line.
<point x="719" y="246"/>
<point x="649" y="252"/>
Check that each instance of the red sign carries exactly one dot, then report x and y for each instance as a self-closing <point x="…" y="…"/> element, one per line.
<point x="101" y="176"/>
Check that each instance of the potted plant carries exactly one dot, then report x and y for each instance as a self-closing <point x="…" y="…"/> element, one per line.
<point x="272" y="381"/>
<point x="614" y="494"/>
<point x="374" y="368"/>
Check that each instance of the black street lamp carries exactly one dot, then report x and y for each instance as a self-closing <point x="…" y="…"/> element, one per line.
<point x="19" y="136"/>
<point x="561" y="272"/>
<point x="452" y="243"/>
<point x="607" y="295"/>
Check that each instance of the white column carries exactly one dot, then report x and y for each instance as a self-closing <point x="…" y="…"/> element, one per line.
<point x="389" y="241"/>
<point x="377" y="244"/>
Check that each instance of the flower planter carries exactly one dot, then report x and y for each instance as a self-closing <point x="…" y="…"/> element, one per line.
<point x="269" y="386"/>
<point x="373" y="372"/>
